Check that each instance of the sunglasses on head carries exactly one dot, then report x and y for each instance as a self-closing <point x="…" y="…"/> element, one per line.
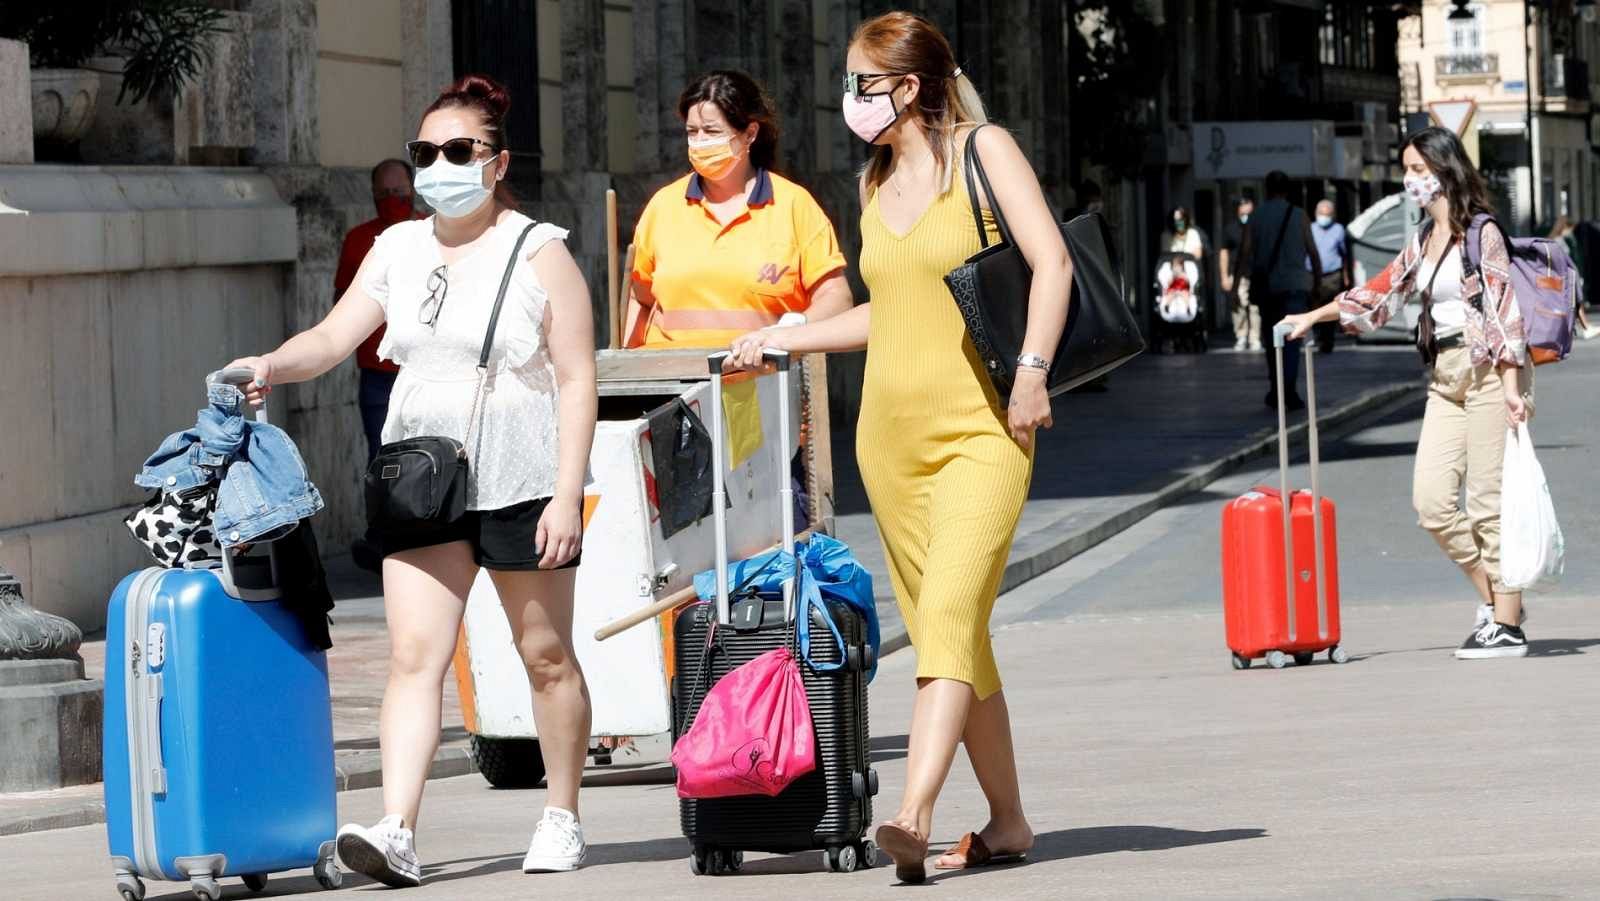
<point x="856" y="83"/>
<point x="457" y="151"/>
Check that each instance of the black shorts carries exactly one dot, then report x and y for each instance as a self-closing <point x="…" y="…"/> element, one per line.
<point x="502" y="539"/>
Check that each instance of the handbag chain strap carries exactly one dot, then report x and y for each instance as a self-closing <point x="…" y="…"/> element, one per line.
<point x="488" y="339"/>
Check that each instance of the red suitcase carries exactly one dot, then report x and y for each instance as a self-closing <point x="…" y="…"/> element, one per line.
<point x="1259" y="576"/>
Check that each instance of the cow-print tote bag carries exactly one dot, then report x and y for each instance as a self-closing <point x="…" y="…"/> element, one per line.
<point x="175" y="526"/>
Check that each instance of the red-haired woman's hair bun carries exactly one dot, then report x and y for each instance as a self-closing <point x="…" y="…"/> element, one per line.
<point x="493" y="94"/>
<point x="488" y="97"/>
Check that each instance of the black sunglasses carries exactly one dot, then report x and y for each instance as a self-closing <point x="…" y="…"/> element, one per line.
<point x="457" y="151"/>
<point x="856" y="83"/>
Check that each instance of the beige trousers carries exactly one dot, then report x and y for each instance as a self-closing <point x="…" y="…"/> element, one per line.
<point x="1246" y="315"/>
<point x="1463" y="442"/>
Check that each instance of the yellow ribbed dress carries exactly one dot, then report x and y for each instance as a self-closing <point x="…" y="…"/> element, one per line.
<point x="945" y="479"/>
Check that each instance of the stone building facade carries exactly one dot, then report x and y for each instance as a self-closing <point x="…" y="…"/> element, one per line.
<point x="122" y="285"/>
<point x="1520" y="67"/>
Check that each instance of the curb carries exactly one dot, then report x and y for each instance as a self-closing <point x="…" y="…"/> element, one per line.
<point x="1040" y="555"/>
<point x="363" y="769"/>
<point x="352" y="772"/>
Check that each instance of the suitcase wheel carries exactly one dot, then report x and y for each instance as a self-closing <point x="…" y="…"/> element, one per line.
<point x="1337" y="654"/>
<point x="1241" y="662"/>
<point x="1305" y="658"/>
<point x="255" y="882"/>
<point x="130" y="887"/>
<point x="1277" y="659"/>
<point x="206" y="888"/>
<point x="868" y="852"/>
<point x="326" y="869"/>
<point x="842" y="859"/>
<point x="705" y="861"/>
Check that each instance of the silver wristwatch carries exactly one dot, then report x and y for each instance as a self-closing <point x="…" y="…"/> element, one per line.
<point x="1033" y="361"/>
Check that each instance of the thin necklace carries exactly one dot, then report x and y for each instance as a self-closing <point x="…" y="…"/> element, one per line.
<point x="892" y="180"/>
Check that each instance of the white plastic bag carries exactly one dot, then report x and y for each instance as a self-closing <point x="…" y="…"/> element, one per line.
<point x="1532" y="551"/>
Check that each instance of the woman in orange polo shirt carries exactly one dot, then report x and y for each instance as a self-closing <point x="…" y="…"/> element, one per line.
<point x="732" y="246"/>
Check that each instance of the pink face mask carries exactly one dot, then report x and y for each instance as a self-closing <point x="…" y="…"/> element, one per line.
<point x="870" y="115"/>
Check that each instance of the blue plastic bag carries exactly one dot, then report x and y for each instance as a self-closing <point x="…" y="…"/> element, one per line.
<point x="831" y="571"/>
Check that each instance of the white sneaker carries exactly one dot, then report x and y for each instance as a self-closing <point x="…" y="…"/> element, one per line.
<point x="1255" y="345"/>
<point x="384" y="852"/>
<point x="1240" y="343"/>
<point x="1486" y="616"/>
<point x="1586" y="333"/>
<point x="557" y="845"/>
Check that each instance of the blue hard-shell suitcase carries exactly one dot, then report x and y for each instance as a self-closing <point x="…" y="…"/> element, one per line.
<point x="219" y="729"/>
<point x="218" y="732"/>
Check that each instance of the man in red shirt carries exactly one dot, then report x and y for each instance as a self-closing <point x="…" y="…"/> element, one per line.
<point x="393" y="196"/>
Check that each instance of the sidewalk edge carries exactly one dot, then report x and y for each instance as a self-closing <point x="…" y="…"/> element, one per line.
<point x="352" y="773"/>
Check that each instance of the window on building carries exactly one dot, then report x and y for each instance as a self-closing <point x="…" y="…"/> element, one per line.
<point x="1350" y="36"/>
<point x="1466" y="35"/>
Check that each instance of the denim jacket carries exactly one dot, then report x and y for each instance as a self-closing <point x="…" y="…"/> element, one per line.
<point x="263" y="489"/>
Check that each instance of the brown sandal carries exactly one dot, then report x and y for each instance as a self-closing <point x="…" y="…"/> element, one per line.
<point x="908" y="849"/>
<point x="975" y="853"/>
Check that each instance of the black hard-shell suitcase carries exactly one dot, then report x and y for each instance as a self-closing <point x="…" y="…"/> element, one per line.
<point x="830" y="808"/>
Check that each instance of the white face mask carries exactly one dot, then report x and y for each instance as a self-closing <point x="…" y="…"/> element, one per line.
<point x="453" y="191"/>
<point x="1324" y="221"/>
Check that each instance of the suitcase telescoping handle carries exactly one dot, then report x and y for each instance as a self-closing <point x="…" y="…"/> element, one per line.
<point x="779" y="360"/>
<point x="240" y="375"/>
<point x="1280" y="334"/>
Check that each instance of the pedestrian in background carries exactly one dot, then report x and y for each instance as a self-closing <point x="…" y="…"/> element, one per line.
<point x="434" y="283"/>
<point x="1235" y="280"/>
<point x="1567" y="233"/>
<point x="1480" y="380"/>
<point x="731" y="246"/>
<point x="393" y="196"/>
<point x="1182" y="236"/>
<point x="1338" y="266"/>
<point x="394" y="199"/>
<point x="1278" y="238"/>
<point x="946" y="467"/>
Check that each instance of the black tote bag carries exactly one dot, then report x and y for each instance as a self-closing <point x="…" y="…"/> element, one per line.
<point x="991" y="291"/>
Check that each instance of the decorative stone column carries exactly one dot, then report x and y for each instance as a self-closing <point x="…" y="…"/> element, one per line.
<point x="50" y="715"/>
<point x="16" y="104"/>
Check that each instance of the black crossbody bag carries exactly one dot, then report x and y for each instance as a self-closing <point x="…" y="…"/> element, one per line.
<point x="991" y="290"/>
<point x="419" y="484"/>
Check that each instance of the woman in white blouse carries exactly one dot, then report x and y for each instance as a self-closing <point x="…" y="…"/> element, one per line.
<point x="433" y="283"/>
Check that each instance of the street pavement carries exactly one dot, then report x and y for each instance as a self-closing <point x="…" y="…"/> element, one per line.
<point x="1151" y="769"/>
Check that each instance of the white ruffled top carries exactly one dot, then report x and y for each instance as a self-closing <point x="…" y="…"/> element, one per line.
<point x="513" y="451"/>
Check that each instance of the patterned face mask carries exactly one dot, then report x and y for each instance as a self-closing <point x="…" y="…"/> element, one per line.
<point x="1424" y="189"/>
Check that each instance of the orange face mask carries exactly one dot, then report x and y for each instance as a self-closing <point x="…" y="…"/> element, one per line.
<point x="713" y="159"/>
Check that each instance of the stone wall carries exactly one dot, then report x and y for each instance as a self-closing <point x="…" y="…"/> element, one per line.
<point x="121" y="289"/>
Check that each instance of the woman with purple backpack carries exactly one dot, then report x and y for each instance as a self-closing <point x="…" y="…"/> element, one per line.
<point x="1471" y="336"/>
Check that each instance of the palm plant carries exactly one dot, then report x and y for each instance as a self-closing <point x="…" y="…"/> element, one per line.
<point x="166" y="43"/>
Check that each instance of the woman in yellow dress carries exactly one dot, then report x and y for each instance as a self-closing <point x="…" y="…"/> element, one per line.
<point x="946" y="468"/>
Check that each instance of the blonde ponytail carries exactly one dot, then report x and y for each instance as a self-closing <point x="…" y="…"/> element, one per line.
<point x="965" y="111"/>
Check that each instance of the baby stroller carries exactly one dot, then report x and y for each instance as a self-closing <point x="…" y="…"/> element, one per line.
<point x="1180" y="320"/>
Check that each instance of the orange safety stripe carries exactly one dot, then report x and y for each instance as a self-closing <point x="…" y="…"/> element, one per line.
<point x="687" y="320"/>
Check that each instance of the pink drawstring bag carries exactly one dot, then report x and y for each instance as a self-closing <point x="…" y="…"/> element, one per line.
<point x="753" y="734"/>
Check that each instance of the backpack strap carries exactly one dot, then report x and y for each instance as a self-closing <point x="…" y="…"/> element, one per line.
<point x="1475" y="238"/>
